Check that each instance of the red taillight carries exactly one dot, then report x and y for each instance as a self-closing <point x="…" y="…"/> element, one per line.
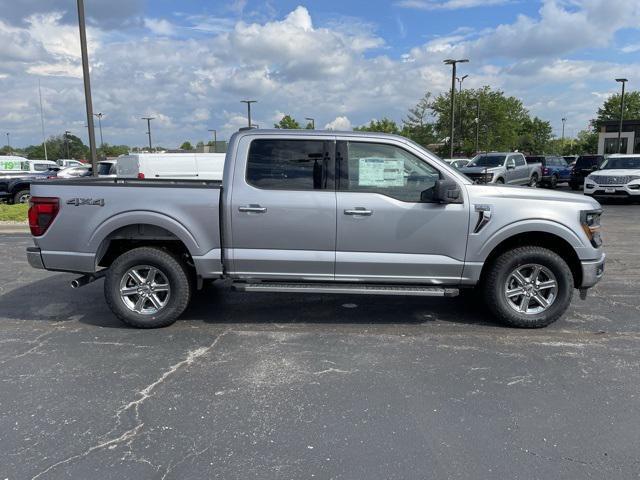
<point x="545" y="171"/>
<point x="42" y="211"/>
<point x="141" y="175"/>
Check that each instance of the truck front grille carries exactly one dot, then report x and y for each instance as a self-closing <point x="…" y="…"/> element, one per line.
<point x="606" y="180"/>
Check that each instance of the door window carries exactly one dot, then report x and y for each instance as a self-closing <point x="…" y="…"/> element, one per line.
<point x="290" y="164"/>
<point x="520" y="161"/>
<point x="385" y="169"/>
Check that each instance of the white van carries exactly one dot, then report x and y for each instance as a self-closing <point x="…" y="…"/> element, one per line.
<point x="39" y="165"/>
<point x="197" y="166"/>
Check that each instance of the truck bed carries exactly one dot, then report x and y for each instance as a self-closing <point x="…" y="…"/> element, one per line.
<point x="95" y="211"/>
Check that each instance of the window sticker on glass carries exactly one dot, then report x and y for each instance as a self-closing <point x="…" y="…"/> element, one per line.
<point x="381" y="172"/>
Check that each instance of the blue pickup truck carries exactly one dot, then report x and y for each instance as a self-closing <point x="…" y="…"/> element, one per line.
<point x="555" y="169"/>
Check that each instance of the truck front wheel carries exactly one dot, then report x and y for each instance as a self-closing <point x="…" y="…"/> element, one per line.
<point x="147" y="287"/>
<point x="528" y="287"/>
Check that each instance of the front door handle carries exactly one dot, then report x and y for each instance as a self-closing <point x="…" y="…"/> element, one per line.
<point x="361" y="211"/>
<point x="252" y="209"/>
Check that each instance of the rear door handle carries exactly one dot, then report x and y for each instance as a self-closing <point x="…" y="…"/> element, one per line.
<point x="361" y="211"/>
<point x="252" y="209"/>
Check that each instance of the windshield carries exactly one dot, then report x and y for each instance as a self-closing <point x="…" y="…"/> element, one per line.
<point x="587" y="161"/>
<point x="487" y="161"/>
<point x="104" y="168"/>
<point x="621" y="163"/>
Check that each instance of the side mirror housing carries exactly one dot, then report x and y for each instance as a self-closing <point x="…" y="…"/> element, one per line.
<point x="445" y="191"/>
<point x="511" y="166"/>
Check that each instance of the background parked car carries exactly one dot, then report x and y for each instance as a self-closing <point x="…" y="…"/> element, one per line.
<point x="457" y="162"/>
<point x="74" y="172"/>
<point x="65" y="162"/>
<point x="585" y="165"/>
<point x="618" y="177"/>
<point x="16" y="188"/>
<point x="554" y="169"/>
<point x="502" y="168"/>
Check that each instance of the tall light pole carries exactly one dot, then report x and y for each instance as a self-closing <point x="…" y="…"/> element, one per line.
<point x="9" y="142"/>
<point x="460" y="80"/>
<point x="66" y="141"/>
<point x="622" y="81"/>
<point x="564" y="120"/>
<point x="453" y="64"/>
<point x="44" y="138"/>
<point x="87" y="87"/>
<point x="313" y="122"/>
<point x="248" y="102"/>
<point x="148" y="119"/>
<point x="477" y="124"/>
<point x="100" y="115"/>
<point x="215" y="140"/>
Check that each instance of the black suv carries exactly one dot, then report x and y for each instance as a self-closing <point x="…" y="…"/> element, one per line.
<point x="583" y="167"/>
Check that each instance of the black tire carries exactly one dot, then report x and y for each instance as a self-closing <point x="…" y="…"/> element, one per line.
<point x="495" y="279"/>
<point x="171" y="267"/>
<point x="554" y="181"/>
<point x="22" y="196"/>
<point x="500" y="181"/>
<point x="533" y="182"/>
<point x="574" y="186"/>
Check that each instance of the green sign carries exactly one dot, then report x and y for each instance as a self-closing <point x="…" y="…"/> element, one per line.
<point x="10" y="165"/>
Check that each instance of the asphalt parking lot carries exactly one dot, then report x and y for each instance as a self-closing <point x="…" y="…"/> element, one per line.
<point x="343" y="387"/>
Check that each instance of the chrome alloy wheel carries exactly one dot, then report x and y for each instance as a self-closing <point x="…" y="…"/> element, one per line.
<point x="531" y="289"/>
<point x="144" y="289"/>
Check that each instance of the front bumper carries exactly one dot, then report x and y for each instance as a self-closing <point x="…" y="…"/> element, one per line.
<point x="34" y="257"/>
<point x="592" y="271"/>
<point x="611" y="191"/>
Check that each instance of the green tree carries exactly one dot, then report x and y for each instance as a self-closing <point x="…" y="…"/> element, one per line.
<point x="309" y="126"/>
<point x="586" y="142"/>
<point x="383" y="126"/>
<point x="287" y="122"/>
<point x="200" y="145"/>
<point x="610" y="109"/>
<point x="186" y="145"/>
<point x="416" y="126"/>
<point x="500" y="122"/>
<point x="534" y="136"/>
<point x="57" y="148"/>
<point x="109" y="150"/>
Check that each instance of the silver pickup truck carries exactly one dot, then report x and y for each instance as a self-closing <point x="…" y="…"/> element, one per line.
<point x="311" y="211"/>
<point x="503" y="168"/>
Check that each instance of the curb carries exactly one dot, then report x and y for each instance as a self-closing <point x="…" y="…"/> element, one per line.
<point x="14" y="228"/>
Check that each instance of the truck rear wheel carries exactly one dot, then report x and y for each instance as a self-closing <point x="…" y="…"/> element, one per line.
<point x="528" y="287"/>
<point x="147" y="287"/>
<point x="22" y="196"/>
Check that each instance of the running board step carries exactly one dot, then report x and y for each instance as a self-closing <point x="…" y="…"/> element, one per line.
<point x="357" y="289"/>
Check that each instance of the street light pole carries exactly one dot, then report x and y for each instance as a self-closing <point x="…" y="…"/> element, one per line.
<point x="87" y="87"/>
<point x="477" y="124"/>
<point x="623" y="81"/>
<point x="9" y="142"/>
<point x="248" y="102"/>
<point x="100" y="115"/>
<point x="453" y="63"/>
<point x="66" y="141"/>
<point x="313" y="122"/>
<point x="148" y="119"/>
<point x="460" y="80"/>
<point x="215" y="140"/>
<point x="564" y="120"/>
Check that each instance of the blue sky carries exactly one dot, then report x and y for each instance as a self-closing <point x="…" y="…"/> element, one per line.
<point x="189" y="63"/>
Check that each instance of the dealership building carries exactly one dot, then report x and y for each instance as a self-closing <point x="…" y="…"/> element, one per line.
<point x="608" y="137"/>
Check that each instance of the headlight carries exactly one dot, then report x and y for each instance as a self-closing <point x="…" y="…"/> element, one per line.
<point x="590" y="221"/>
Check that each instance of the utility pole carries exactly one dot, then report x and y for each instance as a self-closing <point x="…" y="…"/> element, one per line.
<point x="564" y="120"/>
<point x="66" y="141"/>
<point x="313" y="122"/>
<point x="44" y="138"/>
<point x="148" y="119"/>
<point x="460" y="80"/>
<point x="453" y="63"/>
<point x="623" y="81"/>
<point x="100" y="115"/>
<point x="87" y="87"/>
<point x="248" y="102"/>
<point x="477" y="124"/>
<point x="215" y="140"/>
<point x="9" y="142"/>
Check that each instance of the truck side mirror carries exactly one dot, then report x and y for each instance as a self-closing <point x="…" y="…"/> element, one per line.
<point x="511" y="165"/>
<point x="444" y="191"/>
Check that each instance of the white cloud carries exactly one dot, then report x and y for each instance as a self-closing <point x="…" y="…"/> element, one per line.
<point x="632" y="48"/>
<point x="160" y="26"/>
<point x="339" y="123"/>
<point x="448" y="4"/>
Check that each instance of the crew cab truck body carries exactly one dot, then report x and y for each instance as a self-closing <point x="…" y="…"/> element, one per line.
<point x="301" y="211"/>
<point x="506" y="168"/>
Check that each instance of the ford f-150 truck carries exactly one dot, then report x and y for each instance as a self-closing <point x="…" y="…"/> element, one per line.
<point x="503" y="168"/>
<point x="311" y="211"/>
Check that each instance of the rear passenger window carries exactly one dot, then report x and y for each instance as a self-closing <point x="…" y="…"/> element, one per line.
<point x="520" y="161"/>
<point x="290" y="164"/>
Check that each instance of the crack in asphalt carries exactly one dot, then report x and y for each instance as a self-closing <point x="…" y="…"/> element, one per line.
<point x="144" y="394"/>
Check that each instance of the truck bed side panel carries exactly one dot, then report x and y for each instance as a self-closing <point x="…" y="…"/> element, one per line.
<point x="76" y="238"/>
